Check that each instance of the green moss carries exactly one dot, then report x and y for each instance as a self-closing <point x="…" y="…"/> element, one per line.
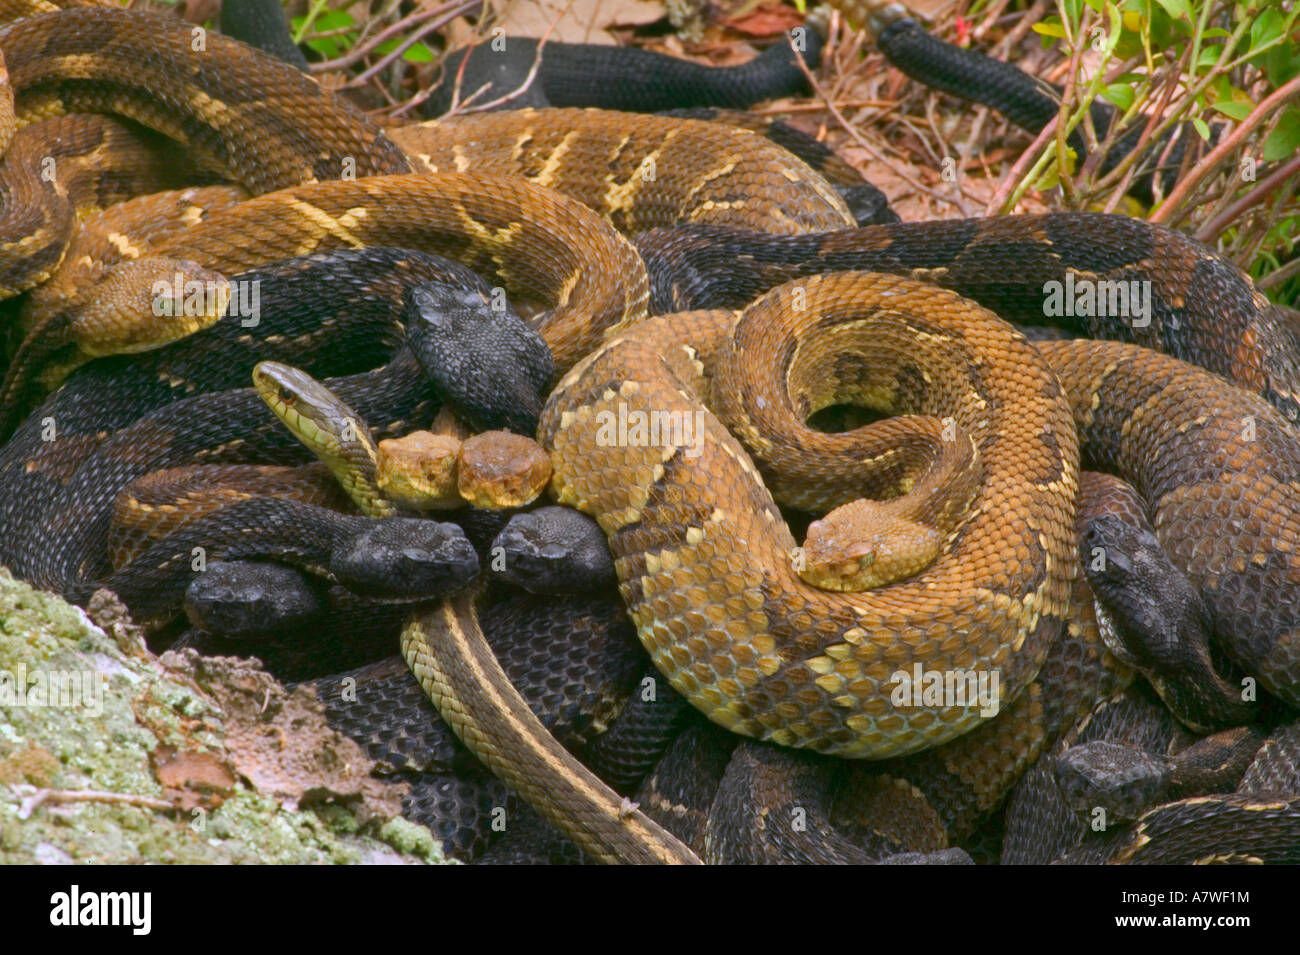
<point x="407" y="837"/>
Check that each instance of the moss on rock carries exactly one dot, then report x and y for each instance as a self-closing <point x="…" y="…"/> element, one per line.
<point x="111" y="754"/>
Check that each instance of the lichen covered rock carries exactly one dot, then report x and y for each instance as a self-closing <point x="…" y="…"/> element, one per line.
<point x="111" y="754"/>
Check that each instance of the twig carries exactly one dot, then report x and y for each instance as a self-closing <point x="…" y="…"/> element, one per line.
<point x="1130" y="168"/>
<point x="1278" y="97"/>
<point x="1250" y="253"/>
<point x="363" y="48"/>
<point x="1024" y="23"/>
<point x="1064" y="127"/>
<point x="1017" y="171"/>
<point x="871" y="150"/>
<point x="990" y="18"/>
<point x="1211" y="230"/>
<point x="42" y="796"/>
<point x="460" y="106"/>
<point x="1161" y="120"/>
<point x="1280" y="275"/>
<point x="517" y="91"/>
<point x="396" y="53"/>
<point x="818" y="107"/>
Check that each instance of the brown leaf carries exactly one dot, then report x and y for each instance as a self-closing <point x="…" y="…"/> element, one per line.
<point x="766" y="21"/>
<point x="583" y="21"/>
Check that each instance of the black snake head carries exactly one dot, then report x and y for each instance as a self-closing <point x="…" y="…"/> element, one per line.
<point x="1154" y="618"/>
<point x="1123" y="780"/>
<point x="554" y="550"/>
<point x="1159" y="612"/>
<point x="245" y="598"/>
<point x="482" y="358"/>
<point x="404" y="559"/>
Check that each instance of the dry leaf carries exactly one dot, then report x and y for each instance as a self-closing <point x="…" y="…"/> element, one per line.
<point x="583" y="21"/>
<point x="766" y="21"/>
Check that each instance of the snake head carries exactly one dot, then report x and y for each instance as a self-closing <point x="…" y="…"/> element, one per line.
<point x="146" y="303"/>
<point x="1158" y="611"/>
<point x="480" y="356"/>
<point x="1153" y="617"/>
<point x="245" y="598"/>
<point x="405" y="559"/>
<point x="1122" y="779"/>
<point x="863" y="545"/>
<point x="555" y="550"/>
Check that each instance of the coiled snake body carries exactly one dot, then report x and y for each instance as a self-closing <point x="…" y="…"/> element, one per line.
<point x="705" y="557"/>
<point x="702" y="551"/>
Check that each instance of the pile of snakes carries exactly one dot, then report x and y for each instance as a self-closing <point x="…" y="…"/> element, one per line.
<point x="717" y="514"/>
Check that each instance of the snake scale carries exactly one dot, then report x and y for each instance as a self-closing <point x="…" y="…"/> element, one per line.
<point x="702" y="551"/>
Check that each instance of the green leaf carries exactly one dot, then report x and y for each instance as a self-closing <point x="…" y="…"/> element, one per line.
<point x="1266" y="28"/>
<point x="1234" y="109"/>
<point x="1116" y="23"/>
<point x="1051" y="28"/>
<point x="1284" y="141"/>
<point x="1281" y="65"/>
<point x="1048" y="180"/>
<point x="1177" y="9"/>
<point x="332" y="20"/>
<point x="330" y="46"/>
<point x="1214" y="32"/>
<point x="1118" y="95"/>
<point x="1201" y="128"/>
<point x="417" y="53"/>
